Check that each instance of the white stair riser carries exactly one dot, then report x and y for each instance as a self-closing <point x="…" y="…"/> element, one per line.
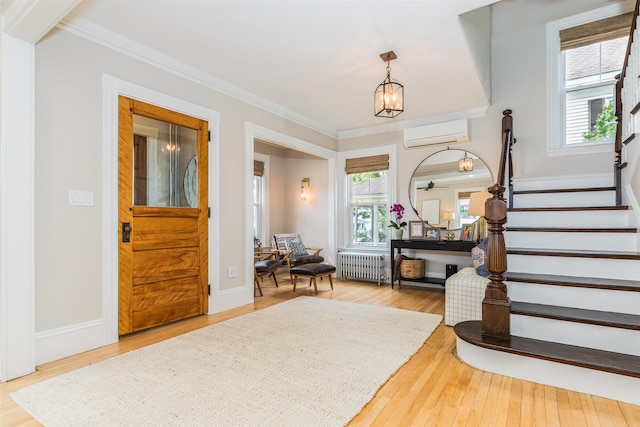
<point x="575" y="181"/>
<point x="572" y="241"/>
<point x="583" y="335"/>
<point x="570" y="296"/>
<point x="621" y="269"/>
<point x="592" y="198"/>
<point x="569" y="219"/>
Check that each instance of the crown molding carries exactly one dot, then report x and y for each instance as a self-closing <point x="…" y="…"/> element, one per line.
<point x="114" y="41"/>
<point x="89" y="31"/>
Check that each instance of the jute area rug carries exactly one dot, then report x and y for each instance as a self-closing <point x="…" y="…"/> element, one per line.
<point x="305" y="362"/>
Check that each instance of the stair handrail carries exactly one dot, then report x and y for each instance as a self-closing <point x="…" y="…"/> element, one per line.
<point x="624" y="110"/>
<point x="496" y="305"/>
<point x="506" y="154"/>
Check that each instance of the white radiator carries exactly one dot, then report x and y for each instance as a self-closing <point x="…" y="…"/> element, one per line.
<point x="361" y="266"/>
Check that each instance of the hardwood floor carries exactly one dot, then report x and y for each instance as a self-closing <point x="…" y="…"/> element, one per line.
<point x="434" y="388"/>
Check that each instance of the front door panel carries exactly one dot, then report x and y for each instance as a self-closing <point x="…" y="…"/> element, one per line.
<point x="163" y="254"/>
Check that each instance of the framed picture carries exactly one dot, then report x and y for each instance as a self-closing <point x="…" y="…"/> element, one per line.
<point x="416" y="230"/>
<point x="468" y="233"/>
<point x="432" y="233"/>
<point x="453" y="234"/>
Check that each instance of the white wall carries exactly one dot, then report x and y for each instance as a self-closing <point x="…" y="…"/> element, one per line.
<point x="519" y="83"/>
<point x="308" y="218"/>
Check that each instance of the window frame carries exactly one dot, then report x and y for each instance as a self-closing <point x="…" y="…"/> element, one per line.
<point x="344" y="239"/>
<point x="263" y="204"/>
<point x="374" y="205"/>
<point x="556" y="109"/>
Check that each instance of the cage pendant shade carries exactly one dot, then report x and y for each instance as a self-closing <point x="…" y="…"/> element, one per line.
<point x="388" y="99"/>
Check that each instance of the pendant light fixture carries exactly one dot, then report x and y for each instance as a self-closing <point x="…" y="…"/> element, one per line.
<point x="388" y="99"/>
<point x="465" y="164"/>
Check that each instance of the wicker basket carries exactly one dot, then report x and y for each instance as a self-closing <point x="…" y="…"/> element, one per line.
<point x="412" y="268"/>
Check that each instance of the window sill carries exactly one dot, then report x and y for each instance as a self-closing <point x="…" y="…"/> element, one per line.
<point x="373" y="249"/>
<point x="582" y="148"/>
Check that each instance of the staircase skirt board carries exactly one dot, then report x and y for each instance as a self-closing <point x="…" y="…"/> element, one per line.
<point x="601" y="373"/>
<point x="617" y="340"/>
<point x="588" y="298"/>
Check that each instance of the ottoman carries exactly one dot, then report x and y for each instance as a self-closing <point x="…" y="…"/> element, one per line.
<point x="463" y="295"/>
<point x="312" y="271"/>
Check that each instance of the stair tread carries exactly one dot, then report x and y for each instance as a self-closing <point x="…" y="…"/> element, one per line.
<point x="606" y="361"/>
<point x="564" y="190"/>
<point x="575" y="253"/>
<point x="584" y="282"/>
<point x="580" y="315"/>
<point x="573" y="230"/>
<point x="571" y="208"/>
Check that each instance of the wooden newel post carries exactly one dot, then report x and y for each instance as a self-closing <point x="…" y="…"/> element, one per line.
<point x="496" y="306"/>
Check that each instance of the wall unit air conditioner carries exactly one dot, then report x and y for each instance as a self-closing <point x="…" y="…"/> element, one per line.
<point x="451" y="132"/>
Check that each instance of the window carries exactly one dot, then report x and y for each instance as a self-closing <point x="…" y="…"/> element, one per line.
<point x="463" y="197"/>
<point x="368" y="198"/>
<point x="258" y="199"/>
<point x="584" y="54"/>
<point x="590" y="88"/>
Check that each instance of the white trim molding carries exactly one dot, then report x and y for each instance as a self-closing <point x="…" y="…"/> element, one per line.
<point x="17" y="208"/>
<point x="254" y="131"/>
<point x="343" y="193"/>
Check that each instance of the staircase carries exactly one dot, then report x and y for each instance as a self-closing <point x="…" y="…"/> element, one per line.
<point x="573" y="279"/>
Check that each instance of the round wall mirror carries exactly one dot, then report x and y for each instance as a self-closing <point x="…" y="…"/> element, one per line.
<point x="441" y="185"/>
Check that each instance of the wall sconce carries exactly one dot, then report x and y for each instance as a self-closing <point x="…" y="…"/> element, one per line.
<point x="304" y="185"/>
<point x="465" y="164"/>
<point x="476" y="208"/>
<point x="449" y="215"/>
<point x="388" y="99"/>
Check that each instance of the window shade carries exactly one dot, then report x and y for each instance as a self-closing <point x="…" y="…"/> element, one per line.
<point x="596" y="32"/>
<point x="258" y="168"/>
<point x="367" y="164"/>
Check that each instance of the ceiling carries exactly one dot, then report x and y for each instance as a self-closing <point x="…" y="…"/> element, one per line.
<point x="315" y="62"/>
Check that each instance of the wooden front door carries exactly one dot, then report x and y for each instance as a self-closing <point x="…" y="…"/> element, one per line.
<point x="163" y="214"/>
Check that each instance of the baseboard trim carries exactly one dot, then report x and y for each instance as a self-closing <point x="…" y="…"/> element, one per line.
<point x="232" y="298"/>
<point x="58" y="343"/>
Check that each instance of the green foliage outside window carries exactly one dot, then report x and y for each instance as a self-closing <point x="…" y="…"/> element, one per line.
<point x="605" y="127"/>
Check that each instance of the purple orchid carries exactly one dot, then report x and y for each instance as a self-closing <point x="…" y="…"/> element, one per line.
<point x="398" y="210"/>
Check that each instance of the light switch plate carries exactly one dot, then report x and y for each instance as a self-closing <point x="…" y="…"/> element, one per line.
<point x="80" y="198"/>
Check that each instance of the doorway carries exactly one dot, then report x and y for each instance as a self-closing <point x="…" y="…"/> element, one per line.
<point x="163" y="216"/>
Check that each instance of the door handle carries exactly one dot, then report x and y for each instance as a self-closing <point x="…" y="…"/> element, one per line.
<point x="126" y="232"/>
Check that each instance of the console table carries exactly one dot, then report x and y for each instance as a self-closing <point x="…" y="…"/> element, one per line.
<point x="427" y="245"/>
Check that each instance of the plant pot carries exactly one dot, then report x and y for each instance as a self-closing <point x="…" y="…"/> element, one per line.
<point x="398" y="232"/>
